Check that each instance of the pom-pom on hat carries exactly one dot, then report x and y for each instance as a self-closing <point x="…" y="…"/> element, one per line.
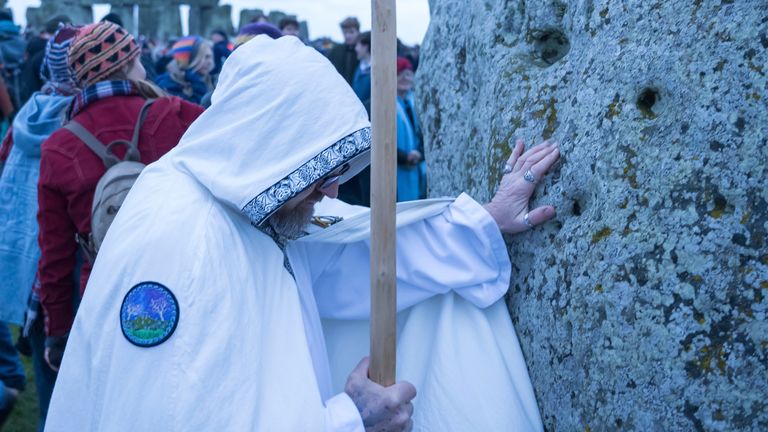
<point x="403" y="64"/>
<point x="99" y="50"/>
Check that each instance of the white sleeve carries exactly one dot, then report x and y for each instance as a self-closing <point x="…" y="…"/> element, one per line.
<point x="341" y="415"/>
<point x="460" y="249"/>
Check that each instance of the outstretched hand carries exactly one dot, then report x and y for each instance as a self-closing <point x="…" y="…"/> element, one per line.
<point x="509" y="207"/>
<point x="381" y="408"/>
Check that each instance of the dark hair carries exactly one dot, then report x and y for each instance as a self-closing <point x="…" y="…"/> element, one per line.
<point x="221" y="33"/>
<point x="53" y="23"/>
<point x="113" y="18"/>
<point x="285" y="22"/>
<point x="365" y="39"/>
<point x="259" y="17"/>
<point x="350" y="22"/>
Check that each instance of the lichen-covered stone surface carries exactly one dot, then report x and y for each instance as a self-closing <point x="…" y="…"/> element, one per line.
<point x="643" y="306"/>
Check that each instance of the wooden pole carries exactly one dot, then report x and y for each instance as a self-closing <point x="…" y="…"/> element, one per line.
<point x="383" y="192"/>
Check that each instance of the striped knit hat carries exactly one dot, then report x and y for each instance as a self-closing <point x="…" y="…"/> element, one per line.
<point x="99" y="50"/>
<point x="55" y="70"/>
<point x="185" y="50"/>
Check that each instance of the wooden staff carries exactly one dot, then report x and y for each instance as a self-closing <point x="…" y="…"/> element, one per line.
<point x="383" y="192"/>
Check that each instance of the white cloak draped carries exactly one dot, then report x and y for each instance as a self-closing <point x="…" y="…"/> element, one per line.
<point x="250" y="352"/>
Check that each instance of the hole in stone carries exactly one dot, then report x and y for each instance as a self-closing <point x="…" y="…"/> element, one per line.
<point x="646" y="100"/>
<point x="550" y="46"/>
<point x="576" y="210"/>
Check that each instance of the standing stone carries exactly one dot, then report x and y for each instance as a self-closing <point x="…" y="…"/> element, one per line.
<point x="643" y="306"/>
<point x="79" y="12"/>
<point x="246" y="15"/>
<point x="160" y="21"/>
<point x="217" y="18"/>
<point x="125" y="12"/>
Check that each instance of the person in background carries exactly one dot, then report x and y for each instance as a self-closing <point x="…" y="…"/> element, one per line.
<point x="12" y="379"/>
<point x="104" y="59"/>
<point x="290" y="27"/>
<point x="37" y="119"/>
<point x="222" y="48"/>
<point x="248" y="32"/>
<point x="411" y="169"/>
<point x="188" y="76"/>
<point x="12" y="49"/>
<point x="260" y="18"/>
<point x="146" y="58"/>
<point x="357" y="190"/>
<point x="31" y="79"/>
<point x="361" y="83"/>
<point x="343" y="57"/>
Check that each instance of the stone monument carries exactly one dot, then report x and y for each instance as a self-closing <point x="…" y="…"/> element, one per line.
<point x="643" y="306"/>
<point x="156" y="19"/>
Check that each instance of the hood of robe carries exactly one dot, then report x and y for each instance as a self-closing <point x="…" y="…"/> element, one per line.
<point x="281" y="118"/>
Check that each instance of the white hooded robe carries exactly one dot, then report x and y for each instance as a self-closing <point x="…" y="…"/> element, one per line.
<point x="249" y="351"/>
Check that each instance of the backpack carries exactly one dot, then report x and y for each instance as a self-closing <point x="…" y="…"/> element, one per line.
<point x="114" y="184"/>
<point x="12" y="50"/>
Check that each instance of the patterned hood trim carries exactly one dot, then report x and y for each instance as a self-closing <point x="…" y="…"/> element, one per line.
<point x="343" y="151"/>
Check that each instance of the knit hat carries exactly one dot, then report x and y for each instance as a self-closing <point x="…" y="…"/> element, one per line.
<point x="185" y="49"/>
<point x="252" y="30"/>
<point x="99" y="50"/>
<point x="55" y="69"/>
<point x="403" y="64"/>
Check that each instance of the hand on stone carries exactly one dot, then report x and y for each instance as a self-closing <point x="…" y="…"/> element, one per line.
<point x="510" y="204"/>
<point x="381" y="408"/>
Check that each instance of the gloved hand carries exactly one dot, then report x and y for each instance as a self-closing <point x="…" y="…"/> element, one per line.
<point x="381" y="408"/>
<point x="54" y="351"/>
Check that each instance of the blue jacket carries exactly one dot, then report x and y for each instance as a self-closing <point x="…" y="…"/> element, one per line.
<point x="19" y="251"/>
<point x="361" y="83"/>
<point x="199" y="87"/>
<point x="411" y="180"/>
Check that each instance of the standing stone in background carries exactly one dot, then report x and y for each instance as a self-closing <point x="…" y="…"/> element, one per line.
<point x="643" y="307"/>
<point x="78" y="11"/>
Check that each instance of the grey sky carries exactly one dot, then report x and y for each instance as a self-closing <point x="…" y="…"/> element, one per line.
<point x="323" y="16"/>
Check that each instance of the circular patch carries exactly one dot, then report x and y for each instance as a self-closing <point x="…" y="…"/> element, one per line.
<point x="149" y="314"/>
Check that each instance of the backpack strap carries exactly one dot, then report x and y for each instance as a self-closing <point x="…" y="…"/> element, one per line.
<point x="134" y="144"/>
<point x="105" y="151"/>
<point x="92" y="142"/>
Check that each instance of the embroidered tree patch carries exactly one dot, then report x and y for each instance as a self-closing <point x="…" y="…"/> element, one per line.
<point x="149" y="314"/>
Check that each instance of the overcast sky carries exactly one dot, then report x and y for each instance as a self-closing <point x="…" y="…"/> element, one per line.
<point x="323" y="16"/>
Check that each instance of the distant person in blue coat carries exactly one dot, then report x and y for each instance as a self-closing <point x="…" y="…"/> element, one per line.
<point x="361" y="83"/>
<point x="411" y="169"/>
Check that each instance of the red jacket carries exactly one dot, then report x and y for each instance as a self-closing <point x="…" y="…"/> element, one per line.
<point x="69" y="171"/>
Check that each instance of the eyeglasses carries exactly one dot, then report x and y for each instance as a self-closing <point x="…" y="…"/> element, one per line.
<point x="332" y="179"/>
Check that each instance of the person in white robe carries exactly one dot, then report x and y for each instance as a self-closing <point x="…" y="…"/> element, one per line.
<point x="212" y="304"/>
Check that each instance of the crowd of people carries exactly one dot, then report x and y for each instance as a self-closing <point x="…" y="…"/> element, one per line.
<point x="87" y="107"/>
<point x="98" y="77"/>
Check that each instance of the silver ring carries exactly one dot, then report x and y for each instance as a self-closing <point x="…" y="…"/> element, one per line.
<point x="507" y="168"/>
<point x="527" y="221"/>
<point x="528" y="176"/>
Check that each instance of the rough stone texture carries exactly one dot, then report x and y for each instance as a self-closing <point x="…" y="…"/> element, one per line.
<point x="643" y="307"/>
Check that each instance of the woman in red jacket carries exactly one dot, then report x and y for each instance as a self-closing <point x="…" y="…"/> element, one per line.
<point x="104" y="59"/>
